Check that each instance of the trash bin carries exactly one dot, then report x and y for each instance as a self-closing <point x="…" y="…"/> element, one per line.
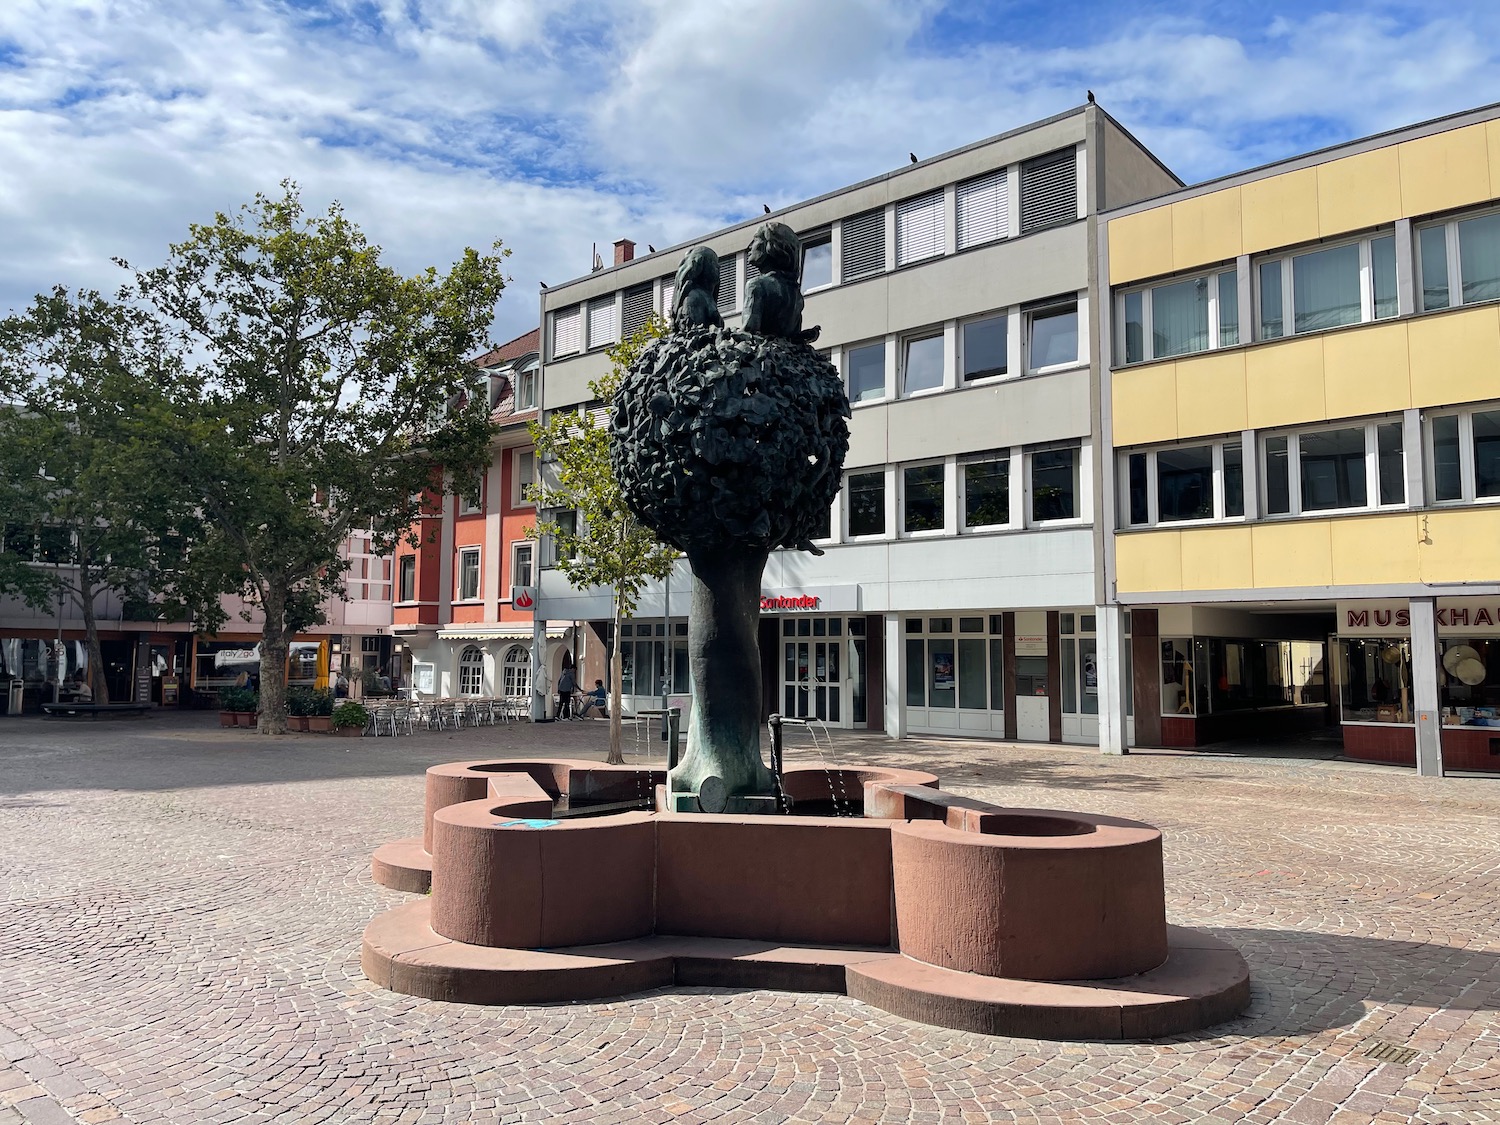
<point x="12" y="697"/>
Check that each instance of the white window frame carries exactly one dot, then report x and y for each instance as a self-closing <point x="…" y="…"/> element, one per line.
<point x="1455" y="265"/>
<point x="1012" y="322"/>
<point x="518" y="486"/>
<point x="402" y="597"/>
<point x="888" y="487"/>
<point x="515" y="671"/>
<point x="1153" y="495"/>
<point x="1008" y="456"/>
<point x="467" y="507"/>
<point x="467" y="688"/>
<point x="1215" y="278"/>
<point x="1082" y="485"/>
<point x="573" y="319"/>
<point x="516" y="550"/>
<point x="1468" y="481"/>
<point x="901" y="471"/>
<point x="885" y="363"/>
<point x="921" y="335"/>
<point x="1288" y="298"/>
<point x="822" y="237"/>
<point x="462" y="556"/>
<point x="1371" y="427"/>
<point x="1080" y="352"/>
<point x="524" y="397"/>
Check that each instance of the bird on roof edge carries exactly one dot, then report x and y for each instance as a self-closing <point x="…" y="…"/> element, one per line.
<point x="1090" y="93"/>
<point x="913" y="157"/>
<point x="650" y="249"/>
<point x="765" y="208"/>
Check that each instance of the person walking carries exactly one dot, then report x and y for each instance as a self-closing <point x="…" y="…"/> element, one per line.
<point x="565" y="688"/>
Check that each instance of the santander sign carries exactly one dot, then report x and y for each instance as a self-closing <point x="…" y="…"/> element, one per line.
<point x="522" y="598"/>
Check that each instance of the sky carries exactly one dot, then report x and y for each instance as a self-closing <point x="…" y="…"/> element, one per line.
<point x="555" y="125"/>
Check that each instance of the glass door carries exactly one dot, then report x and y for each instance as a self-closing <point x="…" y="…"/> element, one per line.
<point x="813" y="668"/>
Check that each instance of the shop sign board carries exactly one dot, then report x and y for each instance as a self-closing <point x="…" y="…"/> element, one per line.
<point x="811" y="599"/>
<point x="1031" y="644"/>
<point x="523" y="597"/>
<point x="1469" y="617"/>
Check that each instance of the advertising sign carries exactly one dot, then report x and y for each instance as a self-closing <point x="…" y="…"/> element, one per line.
<point x="523" y="597"/>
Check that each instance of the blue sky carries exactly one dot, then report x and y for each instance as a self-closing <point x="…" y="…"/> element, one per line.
<point x="556" y="124"/>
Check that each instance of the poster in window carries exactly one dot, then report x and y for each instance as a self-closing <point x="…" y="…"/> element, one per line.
<point x="1090" y="674"/>
<point x="942" y="670"/>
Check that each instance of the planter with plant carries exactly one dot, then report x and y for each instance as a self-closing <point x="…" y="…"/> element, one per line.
<point x="247" y="714"/>
<point x="350" y="719"/>
<point x="228" y="705"/>
<point x="320" y="710"/>
<point x="299" y="704"/>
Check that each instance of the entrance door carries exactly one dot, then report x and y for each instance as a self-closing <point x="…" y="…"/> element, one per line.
<point x="813" y="669"/>
<point x="1032" y="709"/>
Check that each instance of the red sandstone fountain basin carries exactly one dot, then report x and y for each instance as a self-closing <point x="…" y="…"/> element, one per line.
<point x="934" y="906"/>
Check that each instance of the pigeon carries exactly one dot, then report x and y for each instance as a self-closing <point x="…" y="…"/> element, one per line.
<point x="1090" y="93"/>
<point x="544" y="285"/>
<point x="650" y="249"/>
<point x="764" y="208"/>
<point x="913" y="157"/>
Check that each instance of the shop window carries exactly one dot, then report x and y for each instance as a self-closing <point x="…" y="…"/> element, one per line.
<point x="817" y="262"/>
<point x="1344" y="468"/>
<point x="866" y="493"/>
<point x="922" y="364"/>
<point x="1348" y="283"/>
<point x="922" y="500"/>
<point x="983" y="347"/>
<point x="1052" y="337"/>
<point x="1178" y="696"/>
<point x="1464" y="455"/>
<point x="1054" y="484"/>
<point x="1469" y="682"/>
<point x="407" y="581"/>
<point x="986" y="492"/>
<point x="1179" y="317"/>
<point x="864" y="368"/>
<point x="1375" y="680"/>
<point x="471" y="671"/>
<point x="1459" y="261"/>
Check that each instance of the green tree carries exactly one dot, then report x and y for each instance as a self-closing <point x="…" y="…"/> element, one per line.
<point x="92" y="512"/>
<point x="604" y="545"/>
<point x="321" y="392"/>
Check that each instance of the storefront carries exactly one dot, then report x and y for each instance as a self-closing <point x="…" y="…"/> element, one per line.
<point x="1377" y="682"/>
<point x="220" y="663"/>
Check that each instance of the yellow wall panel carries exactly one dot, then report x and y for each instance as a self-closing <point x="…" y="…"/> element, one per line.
<point x="1359" y="191"/>
<point x="1148" y="562"/>
<point x="1206" y="229"/>
<point x="1279" y="211"/>
<point x="1140" y="245"/>
<point x="1296" y="553"/>
<point x="1461" y="546"/>
<point x="1365" y="370"/>
<point x="1211" y="394"/>
<point x="1455" y="356"/>
<point x="1145" y="404"/>
<point x="1369" y="550"/>
<point x="1217" y="558"/>
<point x="1284" y="383"/>
<point x="1449" y="169"/>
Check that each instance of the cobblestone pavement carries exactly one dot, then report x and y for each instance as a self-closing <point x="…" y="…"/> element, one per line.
<point x="183" y="907"/>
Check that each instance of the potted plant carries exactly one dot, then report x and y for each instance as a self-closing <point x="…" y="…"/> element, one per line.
<point x="350" y="719"/>
<point x="228" y="705"/>
<point x="298" y="706"/>
<point x="249" y="703"/>
<point x="320" y="710"/>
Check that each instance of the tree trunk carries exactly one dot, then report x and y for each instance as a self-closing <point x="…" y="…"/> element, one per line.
<point x="273" y="652"/>
<point x="85" y="593"/>
<point x="724" y="654"/>
<point x="616" y="686"/>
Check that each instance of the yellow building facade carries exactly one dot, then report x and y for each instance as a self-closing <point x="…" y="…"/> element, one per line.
<point x="1302" y="409"/>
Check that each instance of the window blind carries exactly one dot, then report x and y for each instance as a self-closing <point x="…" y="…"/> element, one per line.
<point x="566" y="331"/>
<point x="602" y="321"/>
<point x="728" y="301"/>
<point x="637" y="309"/>
<point x="863" y="251"/>
<point x="919" y="228"/>
<point x="668" y="293"/>
<point x="983" y="214"/>
<point x="1049" y="190"/>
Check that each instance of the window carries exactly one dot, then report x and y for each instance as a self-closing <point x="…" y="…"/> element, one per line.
<point x="668" y="292"/>
<point x="406" y="589"/>
<point x="516" y="672"/>
<point x="1460" y="261"/>
<point x="865" y="367"/>
<point x="1054" y="484"/>
<point x="922" y="498"/>
<point x="526" y="387"/>
<point x="1185" y="482"/>
<point x="817" y="262"/>
<point x="471" y="671"/>
<point x="525" y="474"/>
<point x="520" y="565"/>
<point x="1049" y="190"/>
<point x="1349" y="283"/>
<point x="468" y="574"/>
<point x="1052" y="336"/>
<point x="472" y="499"/>
<point x="986" y="492"/>
<point x="1465" y="455"/>
<point x="866" y="493"/>
<point x="1179" y="317"/>
<point x="983" y="346"/>
<point x="1334" y="469"/>
<point x="728" y="282"/>
<point x="567" y="332"/>
<point x="863" y="250"/>
<point x="922" y="366"/>
<point x="636" y="309"/>
<point x="919" y="228"/>
<point x="983" y="210"/>
<point x="602" y="321"/>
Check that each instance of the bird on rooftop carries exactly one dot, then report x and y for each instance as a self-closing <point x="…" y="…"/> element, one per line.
<point x="544" y="285"/>
<point x="1090" y="93"/>
<point x="650" y="249"/>
<point x="913" y="157"/>
<point x="766" y="209"/>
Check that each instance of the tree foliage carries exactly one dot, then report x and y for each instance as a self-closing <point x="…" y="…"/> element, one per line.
<point x="320" y="392"/>
<point x="87" y="508"/>
<point x="602" y="544"/>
